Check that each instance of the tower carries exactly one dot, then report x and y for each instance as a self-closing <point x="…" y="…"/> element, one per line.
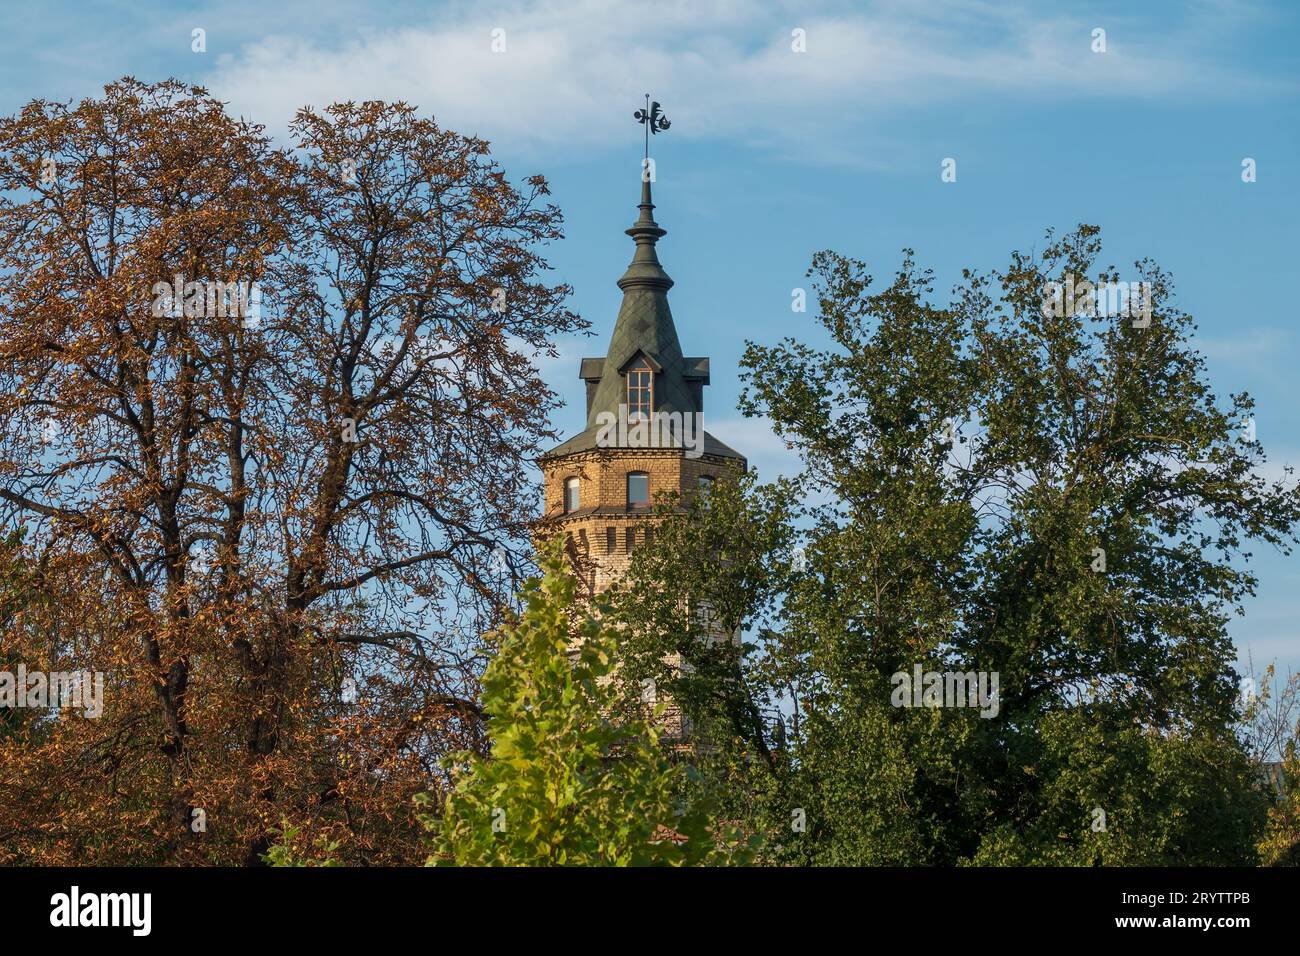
<point x="644" y="433"/>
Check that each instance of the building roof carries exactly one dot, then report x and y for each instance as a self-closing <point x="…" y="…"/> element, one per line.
<point x="586" y="441"/>
<point x="644" y="328"/>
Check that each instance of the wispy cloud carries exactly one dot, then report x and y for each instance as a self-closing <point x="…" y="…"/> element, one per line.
<point x="570" y="68"/>
<point x="1246" y="345"/>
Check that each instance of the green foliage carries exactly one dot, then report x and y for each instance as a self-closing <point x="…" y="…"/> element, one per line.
<point x="679" y="616"/>
<point x="682" y="620"/>
<point x="1280" y="843"/>
<point x="1272" y="722"/>
<point x="963" y="464"/>
<point x="570" y="780"/>
<point x="285" y="850"/>
<point x="1122" y="796"/>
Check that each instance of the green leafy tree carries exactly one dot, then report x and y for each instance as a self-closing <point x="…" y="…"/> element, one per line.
<point x="566" y="783"/>
<point x="692" y="631"/>
<point x="1052" y="495"/>
<point x="288" y="849"/>
<point x="1272" y="731"/>
<point x="1280" y="844"/>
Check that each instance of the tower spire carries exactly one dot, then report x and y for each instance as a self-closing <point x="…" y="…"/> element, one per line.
<point x="644" y="337"/>
<point x="645" y="270"/>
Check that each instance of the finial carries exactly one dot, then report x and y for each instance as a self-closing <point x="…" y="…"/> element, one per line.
<point x="645" y="270"/>
<point x="653" y="121"/>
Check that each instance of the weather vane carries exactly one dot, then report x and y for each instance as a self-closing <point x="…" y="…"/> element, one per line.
<point x="652" y="120"/>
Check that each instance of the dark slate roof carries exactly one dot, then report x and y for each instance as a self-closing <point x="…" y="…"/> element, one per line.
<point x="586" y="441"/>
<point x="644" y="328"/>
<point x="694" y="369"/>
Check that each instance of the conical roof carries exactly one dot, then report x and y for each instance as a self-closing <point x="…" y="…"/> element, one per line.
<point x="644" y="328"/>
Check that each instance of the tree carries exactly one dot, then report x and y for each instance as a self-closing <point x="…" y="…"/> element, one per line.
<point x="1272" y="733"/>
<point x="1050" y="494"/>
<point x="999" y="487"/>
<point x="267" y="411"/>
<point x="737" y="539"/>
<point x="1280" y="843"/>
<point x="737" y="542"/>
<point x="565" y="783"/>
<point x="20" y="595"/>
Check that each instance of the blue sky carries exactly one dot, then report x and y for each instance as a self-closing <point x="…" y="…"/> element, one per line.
<point x="775" y="154"/>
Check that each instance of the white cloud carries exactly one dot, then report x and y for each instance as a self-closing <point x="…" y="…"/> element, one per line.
<point x="1248" y="344"/>
<point x="573" y="70"/>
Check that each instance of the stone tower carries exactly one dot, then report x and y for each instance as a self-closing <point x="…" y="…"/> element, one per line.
<point x="601" y="484"/>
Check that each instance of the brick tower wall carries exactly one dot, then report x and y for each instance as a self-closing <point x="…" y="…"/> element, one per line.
<point x="602" y="507"/>
<point x="603" y="504"/>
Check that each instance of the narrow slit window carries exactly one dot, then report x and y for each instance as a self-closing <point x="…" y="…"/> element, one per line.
<point x="571" y="495"/>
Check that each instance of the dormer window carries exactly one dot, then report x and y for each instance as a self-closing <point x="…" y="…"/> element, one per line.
<point x="571" y="495"/>
<point x="640" y="390"/>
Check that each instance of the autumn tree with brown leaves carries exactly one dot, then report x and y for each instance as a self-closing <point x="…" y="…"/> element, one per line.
<point x="276" y="512"/>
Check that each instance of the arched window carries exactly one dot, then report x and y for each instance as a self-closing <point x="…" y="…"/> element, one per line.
<point x="705" y="486"/>
<point x="640" y="390"/>
<point x="638" y="488"/>
<point x="571" y="496"/>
